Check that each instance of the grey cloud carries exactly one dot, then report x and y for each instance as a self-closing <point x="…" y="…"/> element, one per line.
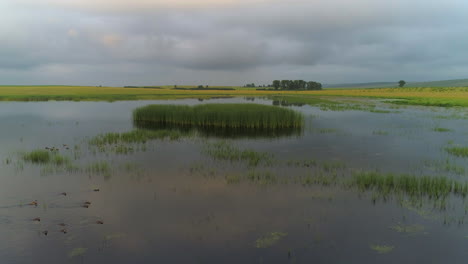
<point x="334" y="41"/>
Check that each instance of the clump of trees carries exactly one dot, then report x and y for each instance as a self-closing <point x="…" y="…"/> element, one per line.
<point x="296" y="85"/>
<point x="401" y="83"/>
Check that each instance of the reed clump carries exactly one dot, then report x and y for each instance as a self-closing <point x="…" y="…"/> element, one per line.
<point x="232" y="116"/>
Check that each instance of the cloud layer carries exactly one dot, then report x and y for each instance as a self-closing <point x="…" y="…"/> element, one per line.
<point x="122" y="42"/>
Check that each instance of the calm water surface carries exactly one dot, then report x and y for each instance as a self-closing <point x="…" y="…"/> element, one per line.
<point x="171" y="203"/>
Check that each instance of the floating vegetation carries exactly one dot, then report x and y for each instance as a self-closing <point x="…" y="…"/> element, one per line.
<point x="262" y="177"/>
<point x="332" y="166"/>
<point x="416" y="207"/>
<point x="218" y="116"/>
<point x="224" y="151"/>
<point x="302" y="163"/>
<point x="99" y="168"/>
<point x="114" y="236"/>
<point x="380" y="132"/>
<point x="232" y="178"/>
<point x="441" y="129"/>
<point x="319" y="178"/>
<point x="37" y="156"/>
<point x="446" y="166"/>
<point x="139" y="136"/>
<point x="458" y="151"/>
<point x="453" y="116"/>
<point x="414" y="186"/>
<point x="77" y="252"/>
<point x="326" y="105"/>
<point x="327" y="130"/>
<point x="51" y="162"/>
<point x="409" y="229"/>
<point x="44" y="157"/>
<point x="382" y="249"/>
<point x="269" y="239"/>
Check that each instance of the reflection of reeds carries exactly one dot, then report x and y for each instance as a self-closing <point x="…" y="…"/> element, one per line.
<point x="233" y="116"/>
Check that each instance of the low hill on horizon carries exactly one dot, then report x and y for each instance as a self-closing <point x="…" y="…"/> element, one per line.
<point x="442" y="83"/>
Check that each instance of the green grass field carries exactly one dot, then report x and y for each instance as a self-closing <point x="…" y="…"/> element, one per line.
<point x="437" y="96"/>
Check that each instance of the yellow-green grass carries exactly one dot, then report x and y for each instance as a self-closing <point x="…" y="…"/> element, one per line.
<point x="444" y="96"/>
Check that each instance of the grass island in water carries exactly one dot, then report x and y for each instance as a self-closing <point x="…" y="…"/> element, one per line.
<point x="231" y="116"/>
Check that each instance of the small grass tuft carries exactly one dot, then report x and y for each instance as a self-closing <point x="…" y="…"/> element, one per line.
<point x="37" y="156"/>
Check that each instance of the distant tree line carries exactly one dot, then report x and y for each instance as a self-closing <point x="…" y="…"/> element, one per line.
<point x="296" y="85"/>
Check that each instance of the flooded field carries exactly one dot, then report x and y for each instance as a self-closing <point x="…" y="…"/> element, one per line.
<point x="356" y="184"/>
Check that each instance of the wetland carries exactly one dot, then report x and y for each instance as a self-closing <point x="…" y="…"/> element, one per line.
<point x="274" y="179"/>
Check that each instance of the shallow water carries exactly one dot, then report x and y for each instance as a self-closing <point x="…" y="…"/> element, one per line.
<point x="171" y="203"/>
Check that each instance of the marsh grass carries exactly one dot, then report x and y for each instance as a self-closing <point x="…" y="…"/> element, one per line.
<point x="319" y="178"/>
<point x="139" y="136"/>
<point x="458" y="151"/>
<point x="380" y="132"/>
<point x="441" y="129"/>
<point x="224" y="151"/>
<point x="130" y="142"/>
<point x="99" y="168"/>
<point x="52" y="161"/>
<point x="232" y="116"/>
<point x="445" y="166"/>
<point x="409" y="229"/>
<point x="413" y="186"/>
<point x="270" y="239"/>
<point x="326" y="104"/>
<point x="302" y="163"/>
<point x="440" y="96"/>
<point x="327" y="130"/>
<point x="38" y="156"/>
<point x="262" y="177"/>
<point x="77" y="252"/>
<point x="382" y="249"/>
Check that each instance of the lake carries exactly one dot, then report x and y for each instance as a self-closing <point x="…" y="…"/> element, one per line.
<point x="180" y="200"/>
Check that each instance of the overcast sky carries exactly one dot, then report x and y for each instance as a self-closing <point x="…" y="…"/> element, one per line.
<point x="231" y="42"/>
